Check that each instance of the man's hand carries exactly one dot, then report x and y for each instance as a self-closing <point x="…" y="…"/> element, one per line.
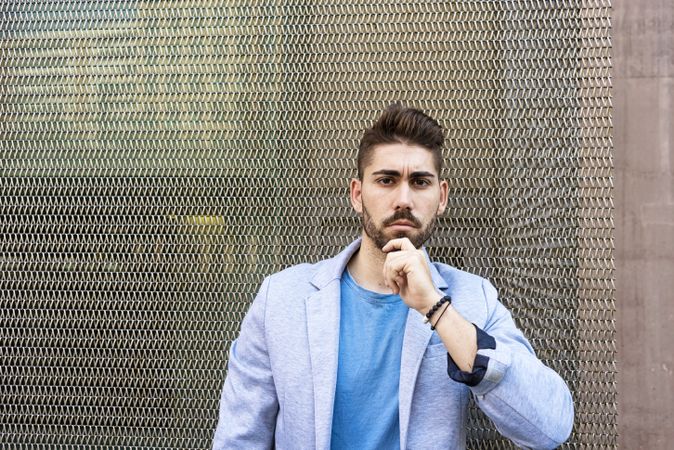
<point x="406" y="272"/>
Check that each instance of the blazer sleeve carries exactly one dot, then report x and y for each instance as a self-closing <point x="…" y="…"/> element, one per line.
<point x="248" y="404"/>
<point x="528" y="402"/>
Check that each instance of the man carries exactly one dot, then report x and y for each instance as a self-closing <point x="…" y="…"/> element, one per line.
<point x="379" y="348"/>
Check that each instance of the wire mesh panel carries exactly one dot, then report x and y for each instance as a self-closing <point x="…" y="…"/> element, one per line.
<point x="159" y="158"/>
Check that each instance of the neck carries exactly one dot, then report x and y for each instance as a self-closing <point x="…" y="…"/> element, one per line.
<point x="366" y="266"/>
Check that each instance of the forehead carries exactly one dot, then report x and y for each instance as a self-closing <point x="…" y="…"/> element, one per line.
<point x="401" y="158"/>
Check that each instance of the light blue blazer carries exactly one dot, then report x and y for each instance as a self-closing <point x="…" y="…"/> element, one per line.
<point x="282" y="369"/>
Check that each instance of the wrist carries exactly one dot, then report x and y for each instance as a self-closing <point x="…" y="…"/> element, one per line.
<point x="431" y="300"/>
<point x="440" y="305"/>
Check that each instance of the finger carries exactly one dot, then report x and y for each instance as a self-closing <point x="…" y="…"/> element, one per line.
<point x="390" y="278"/>
<point x="395" y="262"/>
<point x="396" y="267"/>
<point x="398" y="244"/>
<point x="391" y="271"/>
<point x="400" y="283"/>
<point x="399" y="262"/>
<point x="396" y="257"/>
<point x="406" y="259"/>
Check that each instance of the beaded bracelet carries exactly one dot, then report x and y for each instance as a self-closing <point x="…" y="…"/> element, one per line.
<point x="440" y="317"/>
<point x="434" y="309"/>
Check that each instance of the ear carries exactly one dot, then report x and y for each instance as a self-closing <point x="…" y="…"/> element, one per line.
<point x="356" y="195"/>
<point x="444" y="189"/>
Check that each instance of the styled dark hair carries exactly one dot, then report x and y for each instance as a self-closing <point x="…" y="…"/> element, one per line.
<point x="399" y="124"/>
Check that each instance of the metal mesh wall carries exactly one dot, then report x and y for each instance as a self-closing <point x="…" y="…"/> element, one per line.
<point x="160" y="157"/>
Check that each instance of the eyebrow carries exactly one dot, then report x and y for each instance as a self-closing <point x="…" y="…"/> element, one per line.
<point x="395" y="173"/>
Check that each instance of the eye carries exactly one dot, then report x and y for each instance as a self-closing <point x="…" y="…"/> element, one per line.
<point x="385" y="180"/>
<point x="421" y="182"/>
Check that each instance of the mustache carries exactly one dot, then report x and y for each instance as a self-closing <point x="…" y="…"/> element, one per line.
<point x="403" y="214"/>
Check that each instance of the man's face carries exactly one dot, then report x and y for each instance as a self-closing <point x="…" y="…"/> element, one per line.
<point x="400" y="194"/>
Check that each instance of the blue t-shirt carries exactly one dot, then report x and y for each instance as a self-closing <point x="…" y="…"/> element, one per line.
<point x="371" y="330"/>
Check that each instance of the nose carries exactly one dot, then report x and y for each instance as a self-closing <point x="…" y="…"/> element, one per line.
<point x="403" y="197"/>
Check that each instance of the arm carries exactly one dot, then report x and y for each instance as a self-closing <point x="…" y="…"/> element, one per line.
<point x="248" y="405"/>
<point x="527" y="401"/>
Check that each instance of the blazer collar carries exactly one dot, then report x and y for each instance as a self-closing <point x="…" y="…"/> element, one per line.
<point x="438" y="281"/>
<point x="332" y="268"/>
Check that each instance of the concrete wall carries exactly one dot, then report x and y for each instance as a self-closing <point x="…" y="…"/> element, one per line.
<point x="643" y="100"/>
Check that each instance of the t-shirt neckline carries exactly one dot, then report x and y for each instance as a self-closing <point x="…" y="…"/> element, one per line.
<point x="366" y="294"/>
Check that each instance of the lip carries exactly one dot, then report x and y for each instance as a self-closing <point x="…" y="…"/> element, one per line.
<point x="402" y="224"/>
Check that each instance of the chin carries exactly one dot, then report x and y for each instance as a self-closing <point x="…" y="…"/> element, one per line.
<point x="400" y="234"/>
<point x="413" y="237"/>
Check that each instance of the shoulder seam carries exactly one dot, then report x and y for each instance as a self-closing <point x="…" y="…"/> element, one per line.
<point x="486" y="301"/>
<point x="266" y="282"/>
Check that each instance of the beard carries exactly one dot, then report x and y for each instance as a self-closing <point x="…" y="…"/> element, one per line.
<point x="380" y="238"/>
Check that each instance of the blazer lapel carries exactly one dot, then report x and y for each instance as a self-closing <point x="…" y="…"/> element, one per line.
<point x="415" y="341"/>
<point x="323" y="331"/>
